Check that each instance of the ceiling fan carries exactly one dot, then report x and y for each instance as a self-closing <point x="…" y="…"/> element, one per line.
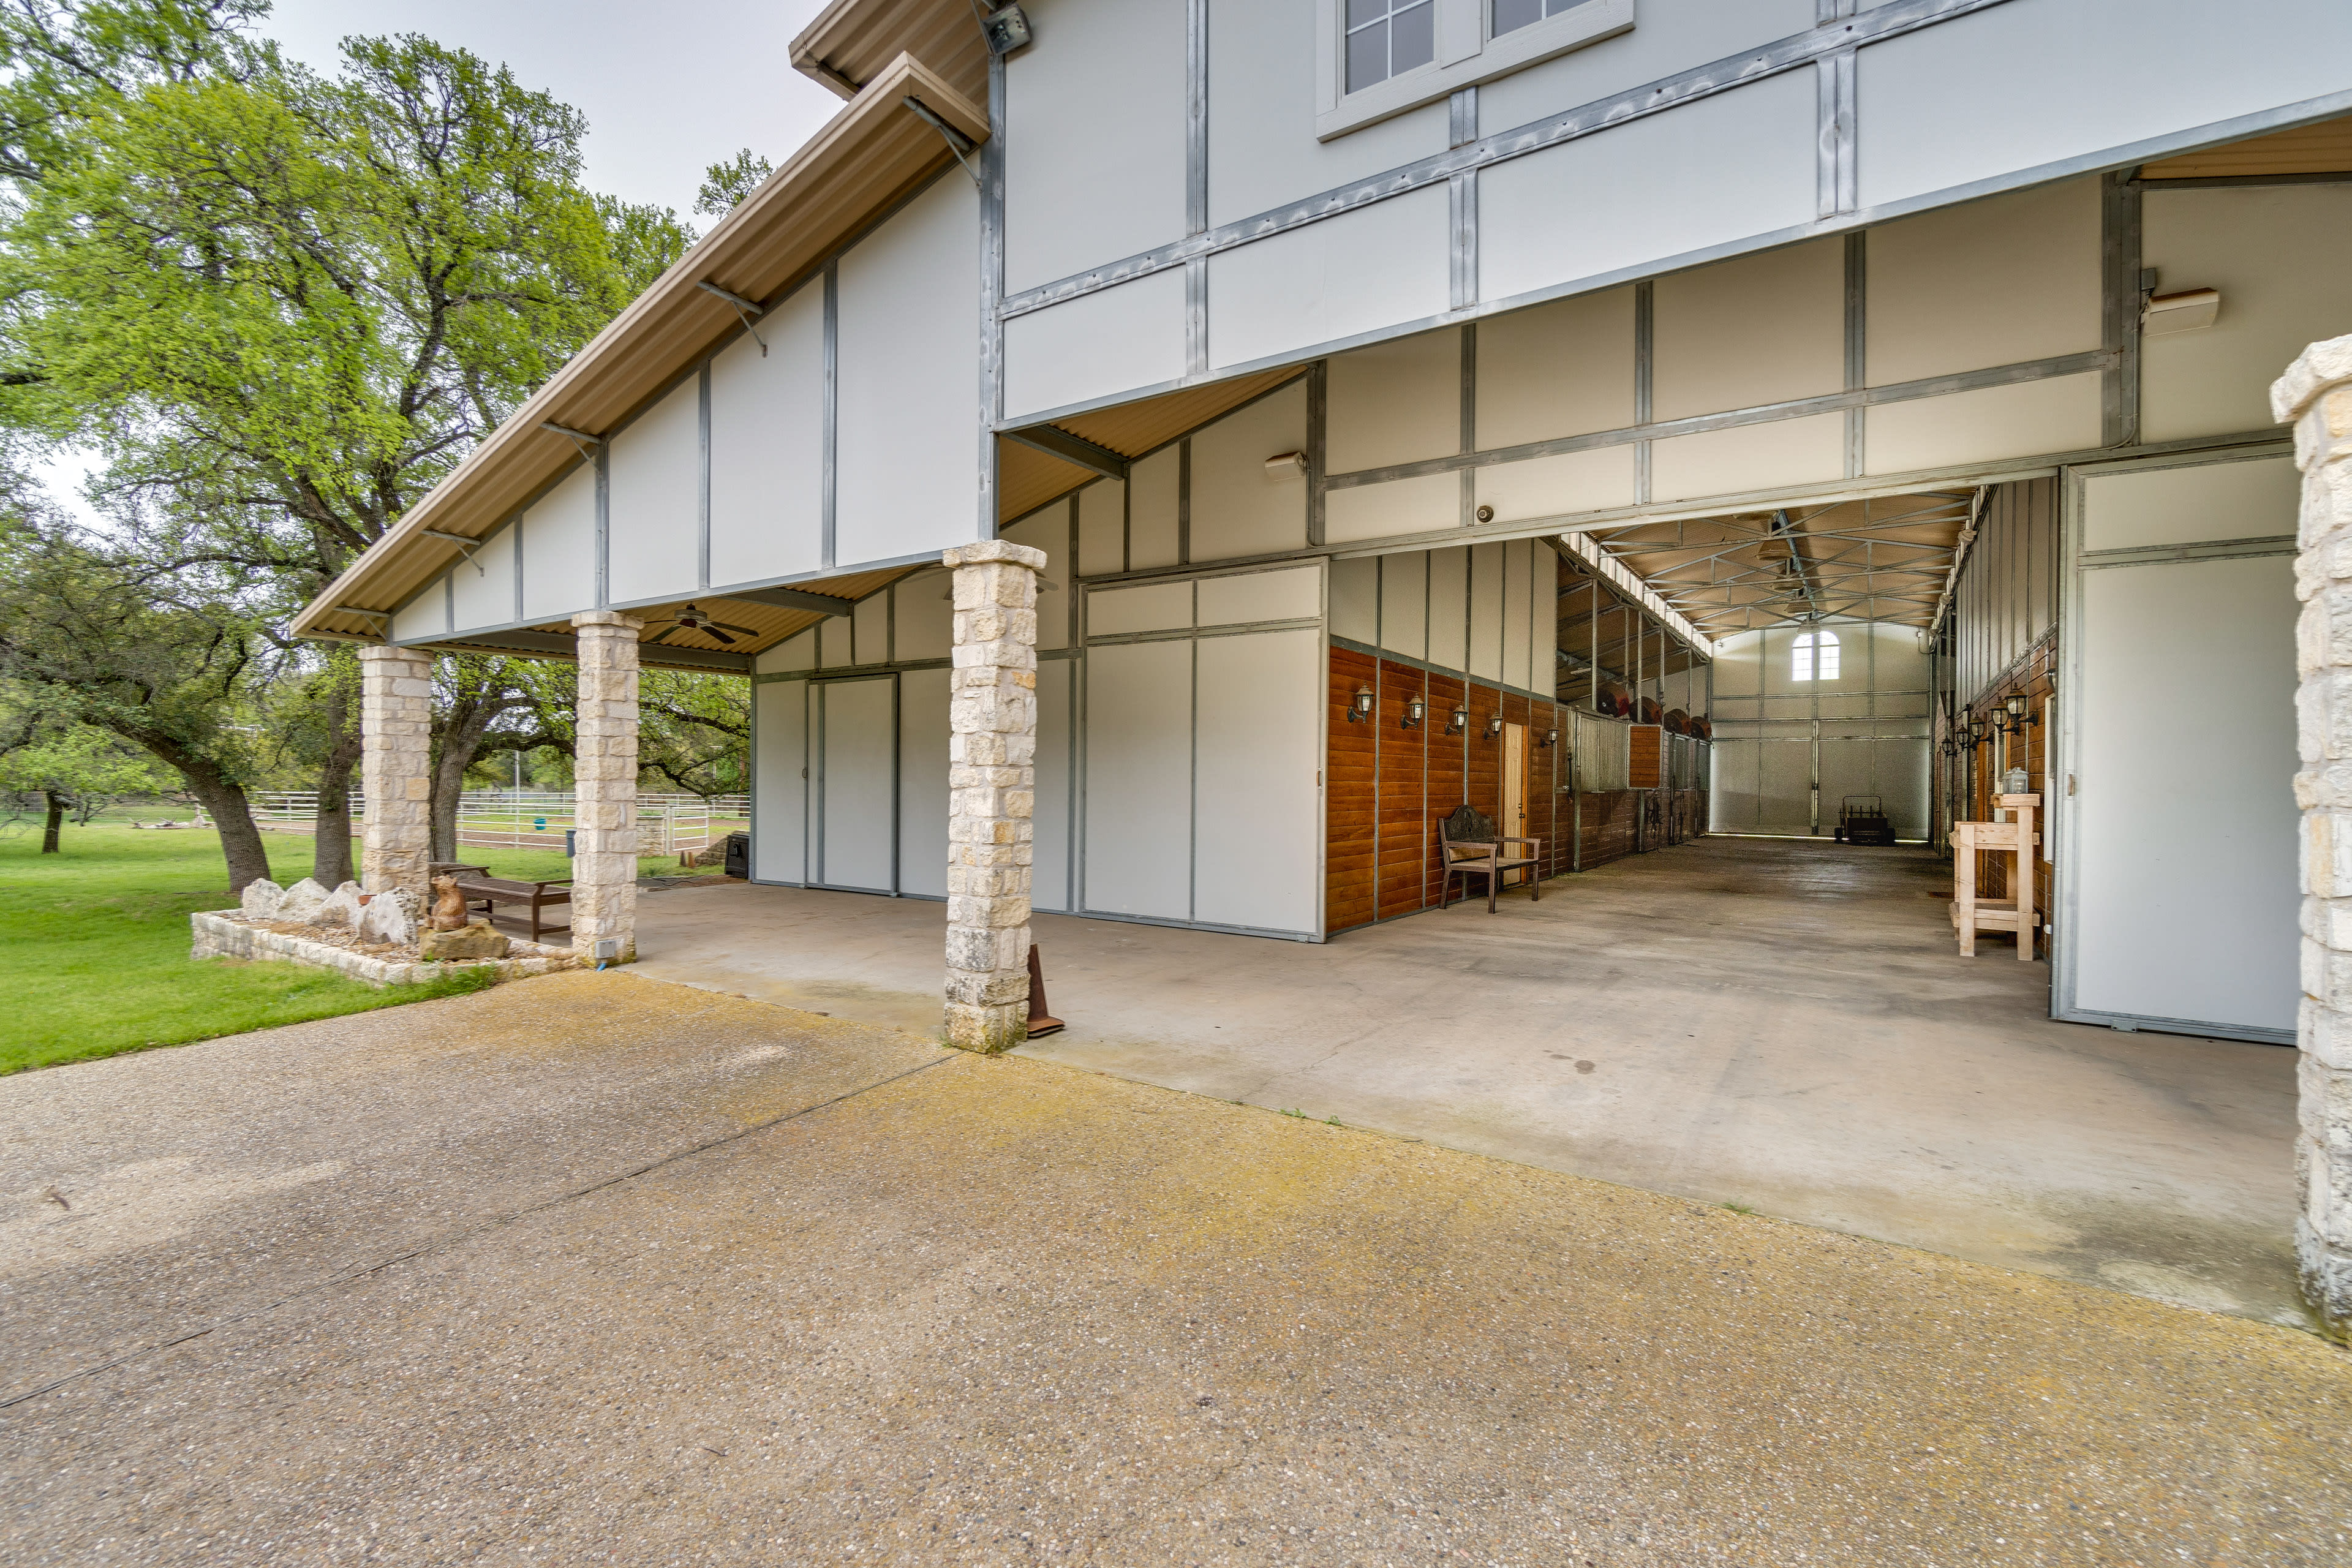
<point x="692" y="619"/>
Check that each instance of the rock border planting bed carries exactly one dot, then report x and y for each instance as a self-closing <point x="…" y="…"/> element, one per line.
<point x="229" y="933"/>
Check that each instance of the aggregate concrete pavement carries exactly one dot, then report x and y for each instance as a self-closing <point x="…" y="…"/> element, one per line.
<point x="594" y="1268"/>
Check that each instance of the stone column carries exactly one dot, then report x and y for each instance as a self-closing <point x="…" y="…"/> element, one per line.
<point x="396" y="770"/>
<point x="2316" y="396"/>
<point x="992" y="792"/>
<point x="605" y="782"/>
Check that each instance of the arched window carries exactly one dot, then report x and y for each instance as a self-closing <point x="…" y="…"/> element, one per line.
<point x="1814" y="656"/>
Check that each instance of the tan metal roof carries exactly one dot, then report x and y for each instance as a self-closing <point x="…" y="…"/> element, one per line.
<point x="852" y="41"/>
<point x="871" y="154"/>
<point x="2322" y="149"/>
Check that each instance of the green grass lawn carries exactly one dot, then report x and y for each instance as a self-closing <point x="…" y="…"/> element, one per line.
<point x="94" y="944"/>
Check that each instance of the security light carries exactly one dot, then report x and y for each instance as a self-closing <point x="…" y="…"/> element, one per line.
<point x="1286" y="465"/>
<point x="2183" y="312"/>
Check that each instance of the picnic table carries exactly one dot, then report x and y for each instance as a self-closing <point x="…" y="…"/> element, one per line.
<point x="492" y="891"/>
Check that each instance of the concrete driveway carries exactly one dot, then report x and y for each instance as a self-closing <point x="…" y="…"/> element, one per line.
<point x="597" y="1269"/>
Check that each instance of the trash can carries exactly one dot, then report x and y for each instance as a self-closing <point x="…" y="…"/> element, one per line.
<point x="568" y="833"/>
<point x="739" y="855"/>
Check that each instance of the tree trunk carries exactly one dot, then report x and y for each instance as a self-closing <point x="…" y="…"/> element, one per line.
<point x="461" y="741"/>
<point x="330" y="855"/>
<point x="240" y="839"/>
<point x="56" y="823"/>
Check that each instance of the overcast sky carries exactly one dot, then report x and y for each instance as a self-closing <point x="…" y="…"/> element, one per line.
<point x="668" y="91"/>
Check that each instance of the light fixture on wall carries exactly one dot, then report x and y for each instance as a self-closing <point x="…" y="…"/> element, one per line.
<point x="2019" y="711"/>
<point x="1414" y="709"/>
<point x="1286" y="465"/>
<point x="1550" y="737"/>
<point x="2183" y="313"/>
<point x="1979" y="732"/>
<point x="1006" y="28"/>
<point x="1360" y="707"/>
<point x="1493" y="725"/>
<point x="1458" y="721"/>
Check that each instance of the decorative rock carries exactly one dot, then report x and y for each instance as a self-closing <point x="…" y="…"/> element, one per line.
<point x="302" y="900"/>
<point x="390" y="917"/>
<point x="476" y="941"/>
<point x="340" y="907"/>
<point x="260" y="899"/>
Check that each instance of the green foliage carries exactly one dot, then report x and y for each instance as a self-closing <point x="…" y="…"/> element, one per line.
<point x="94" y="951"/>
<point x="724" y="185"/>
<point x="84" y="768"/>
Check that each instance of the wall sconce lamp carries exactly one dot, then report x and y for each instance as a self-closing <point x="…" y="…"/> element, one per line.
<point x="1360" y="708"/>
<point x="1459" y="721"/>
<point x="2019" y="713"/>
<point x="1493" y="725"/>
<point x="1550" y="737"/>
<point x="1414" y="707"/>
<point x="1979" y="732"/>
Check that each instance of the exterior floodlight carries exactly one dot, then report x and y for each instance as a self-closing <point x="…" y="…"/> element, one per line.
<point x="1360" y="707"/>
<point x="1007" y="29"/>
<point x="1286" y="465"/>
<point x="1414" y="707"/>
<point x="2183" y="313"/>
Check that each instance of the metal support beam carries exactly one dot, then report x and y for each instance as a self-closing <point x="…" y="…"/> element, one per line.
<point x="1056" y="442"/>
<point x="1785" y="531"/>
<point x="562" y="647"/>
<point x="792" y="599"/>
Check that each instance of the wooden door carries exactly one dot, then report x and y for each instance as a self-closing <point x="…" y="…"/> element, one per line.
<point x="1515" y="790"/>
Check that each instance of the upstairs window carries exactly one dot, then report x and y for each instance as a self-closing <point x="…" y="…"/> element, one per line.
<point x="1389" y="38"/>
<point x="1510" y="16"/>
<point x="1814" y="656"/>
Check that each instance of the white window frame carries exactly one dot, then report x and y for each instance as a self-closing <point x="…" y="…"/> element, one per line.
<point x="1466" y="56"/>
<point x="1811" y="644"/>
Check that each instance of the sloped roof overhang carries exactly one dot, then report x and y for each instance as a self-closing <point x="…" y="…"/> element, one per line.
<point x="872" y="154"/>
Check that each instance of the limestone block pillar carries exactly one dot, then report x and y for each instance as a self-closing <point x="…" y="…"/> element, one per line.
<point x="992" y="792"/>
<point x="396" y="769"/>
<point x="2316" y="396"/>
<point x="604" y="785"/>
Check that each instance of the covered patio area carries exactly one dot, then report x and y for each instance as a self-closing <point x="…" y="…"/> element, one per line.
<point x="1779" y="1025"/>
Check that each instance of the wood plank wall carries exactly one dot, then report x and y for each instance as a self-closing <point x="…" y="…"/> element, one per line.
<point x="1389" y="787"/>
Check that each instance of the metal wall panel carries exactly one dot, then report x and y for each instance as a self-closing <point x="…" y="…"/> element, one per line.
<point x="1262" y="148"/>
<point x="1102" y="527"/>
<point x="1724" y="168"/>
<point x="1719" y="344"/>
<point x="1449" y="589"/>
<point x="856" y="771"/>
<point x="1404" y="604"/>
<point x="1396" y="402"/>
<point x="1355" y="592"/>
<point x="1487" y="611"/>
<point x="1252" y="598"/>
<point x="1362" y="272"/>
<point x="1149" y="607"/>
<point x="1096" y="345"/>
<point x="1237" y="506"/>
<point x="1050" y="888"/>
<point x="796" y="652"/>
<point x="869" y="630"/>
<point x="1748" y="458"/>
<point x="767" y="445"/>
<point x="2000" y="281"/>
<point x="2253" y="497"/>
<point x="1258" y="743"/>
<point x="923" y="781"/>
<point x="1519" y="638"/>
<point x="2060" y="415"/>
<point x="483" y="586"/>
<point x="559" y="548"/>
<point x="1154" y="510"/>
<point x="908" y="362"/>
<point x="2179" y="874"/>
<point x="2276" y="254"/>
<point x="1049" y="531"/>
<point x="1563" y="368"/>
<point x="922" y="619"/>
<point x="834" y="649"/>
<point x="1138" y="783"/>
<point x="779" y="781"/>
<point x="1554" y="487"/>
<point x="1399" y="505"/>
<point x="1668" y="35"/>
<point x="427" y="615"/>
<point x="1093" y="137"/>
<point x="654" y="505"/>
<point x="2011" y="87"/>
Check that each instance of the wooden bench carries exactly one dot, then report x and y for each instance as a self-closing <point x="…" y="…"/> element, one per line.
<point x="2015" y="839"/>
<point x="492" y="892"/>
<point x="1480" y="850"/>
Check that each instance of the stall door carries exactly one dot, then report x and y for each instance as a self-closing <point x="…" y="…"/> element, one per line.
<point x="856" y="784"/>
<point x="2177" y="815"/>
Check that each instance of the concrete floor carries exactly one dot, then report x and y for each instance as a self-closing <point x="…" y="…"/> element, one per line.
<point x="1779" y="1024"/>
<point x="590" y="1268"/>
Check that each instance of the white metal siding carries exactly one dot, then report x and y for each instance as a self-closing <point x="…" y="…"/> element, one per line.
<point x="653" y="508"/>
<point x="1238" y="507"/>
<point x="856" y="744"/>
<point x="1562" y="369"/>
<point x="2061" y="415"/>
<point x="1396" y="402"/>
<point x="1096" y="345"/>
<point x="1050" y="876"/>
<point x="923" y="781"/>
<point x="485" y="586"/>
<point x="1259" y="740"/>
<point x="2000" y="281"/>
<point x="1369" y="270"/>
<point x="559" y="548"/>
<point x="1138" y="805"/>
<point x="780" y="782"/>
<point x="767" y="447"/>
<point x="1751" y="331"/>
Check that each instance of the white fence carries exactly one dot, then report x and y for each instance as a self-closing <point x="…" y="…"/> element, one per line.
<point x="536" y="819"/>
